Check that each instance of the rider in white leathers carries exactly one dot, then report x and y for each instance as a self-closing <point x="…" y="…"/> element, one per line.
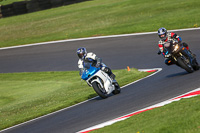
<point x="90" y="57"/>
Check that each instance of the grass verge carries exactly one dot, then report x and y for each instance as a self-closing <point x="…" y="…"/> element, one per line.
<point x="177" y="117"/>
<point x="24" y="96"/>
<point x="98" y="17"/>
<point x="6" y="2"/>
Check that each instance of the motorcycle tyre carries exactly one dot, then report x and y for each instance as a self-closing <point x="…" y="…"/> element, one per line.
<point x="96" y="86"/>
<point x="184" y="65"/>
<point x="117" y="89"/>
<point x="196" y="65"/>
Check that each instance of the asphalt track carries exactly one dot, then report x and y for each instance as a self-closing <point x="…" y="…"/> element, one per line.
<point x="138" y="51"/>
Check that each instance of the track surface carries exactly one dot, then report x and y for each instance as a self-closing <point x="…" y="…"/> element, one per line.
<point x="134" y="51"/>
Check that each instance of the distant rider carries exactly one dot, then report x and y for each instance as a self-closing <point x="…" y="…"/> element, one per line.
<point x="90" y="57"/>
<point x="169" y="36"/>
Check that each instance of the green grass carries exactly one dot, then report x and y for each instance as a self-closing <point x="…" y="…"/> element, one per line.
<point x="6" y="2"/>
<point x="177" y="117"/>
<point x="98" y="17"/>
<point x="24" y="96"/>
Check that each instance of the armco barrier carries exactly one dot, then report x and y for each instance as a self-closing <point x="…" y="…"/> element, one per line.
<point x="68" y="2"/>
<point x="29" y="6"/>
<point x="32" y="6"/>
<point x="0" y="12"/>
<point x="19" y="8"/>
<point x="44" y="4"/>
<point x="57" y="3"/>
<point x="7" y="10"/>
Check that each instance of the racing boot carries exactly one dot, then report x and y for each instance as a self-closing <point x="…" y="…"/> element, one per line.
<point x="109" y="72"/>
<point x="193" y="55"/>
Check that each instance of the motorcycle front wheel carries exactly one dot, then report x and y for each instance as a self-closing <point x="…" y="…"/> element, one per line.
<point x="195" y="65"/>
<point x="183" y="64"/>
<point x="117" y="88"/>
<point x="99" y="90"/>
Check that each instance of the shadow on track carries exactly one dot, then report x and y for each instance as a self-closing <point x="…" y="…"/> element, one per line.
<point x="177" y="74"/>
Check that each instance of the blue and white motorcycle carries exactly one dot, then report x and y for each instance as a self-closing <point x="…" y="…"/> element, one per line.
<point x="100" y="81"/>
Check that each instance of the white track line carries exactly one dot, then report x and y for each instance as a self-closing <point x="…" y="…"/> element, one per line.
<point x="80" y="39"/>
<point x="186" y="95"/>
<point x="90" y="38"/>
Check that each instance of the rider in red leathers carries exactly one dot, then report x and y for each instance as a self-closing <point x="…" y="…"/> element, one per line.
<point x="169" y="36"/>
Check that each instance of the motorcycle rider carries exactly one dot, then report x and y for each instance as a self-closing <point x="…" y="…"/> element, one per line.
<point x="90" y="57"/>
<point x="169" y="36"/>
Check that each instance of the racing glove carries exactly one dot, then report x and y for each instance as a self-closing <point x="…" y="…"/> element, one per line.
<point x="159" y="52"/>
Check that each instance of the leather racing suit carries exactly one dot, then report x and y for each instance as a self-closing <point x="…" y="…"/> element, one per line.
<point x="96" y="61"/>
<point x="170" y="37"/>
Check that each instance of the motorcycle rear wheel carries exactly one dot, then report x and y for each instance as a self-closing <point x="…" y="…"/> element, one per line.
<point x="99" y="90"/>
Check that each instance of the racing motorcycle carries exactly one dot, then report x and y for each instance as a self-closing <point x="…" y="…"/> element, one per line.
<point x="181" y="56"/>
<point x="100" y="81"/>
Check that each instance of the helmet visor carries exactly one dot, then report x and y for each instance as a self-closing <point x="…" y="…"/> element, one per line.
<point x="80" y="55"/>
<point x="162" y="35"/>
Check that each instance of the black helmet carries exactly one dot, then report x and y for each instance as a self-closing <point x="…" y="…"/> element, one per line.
<point x="162" y="33"/>
<point x="81" y="52"/>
